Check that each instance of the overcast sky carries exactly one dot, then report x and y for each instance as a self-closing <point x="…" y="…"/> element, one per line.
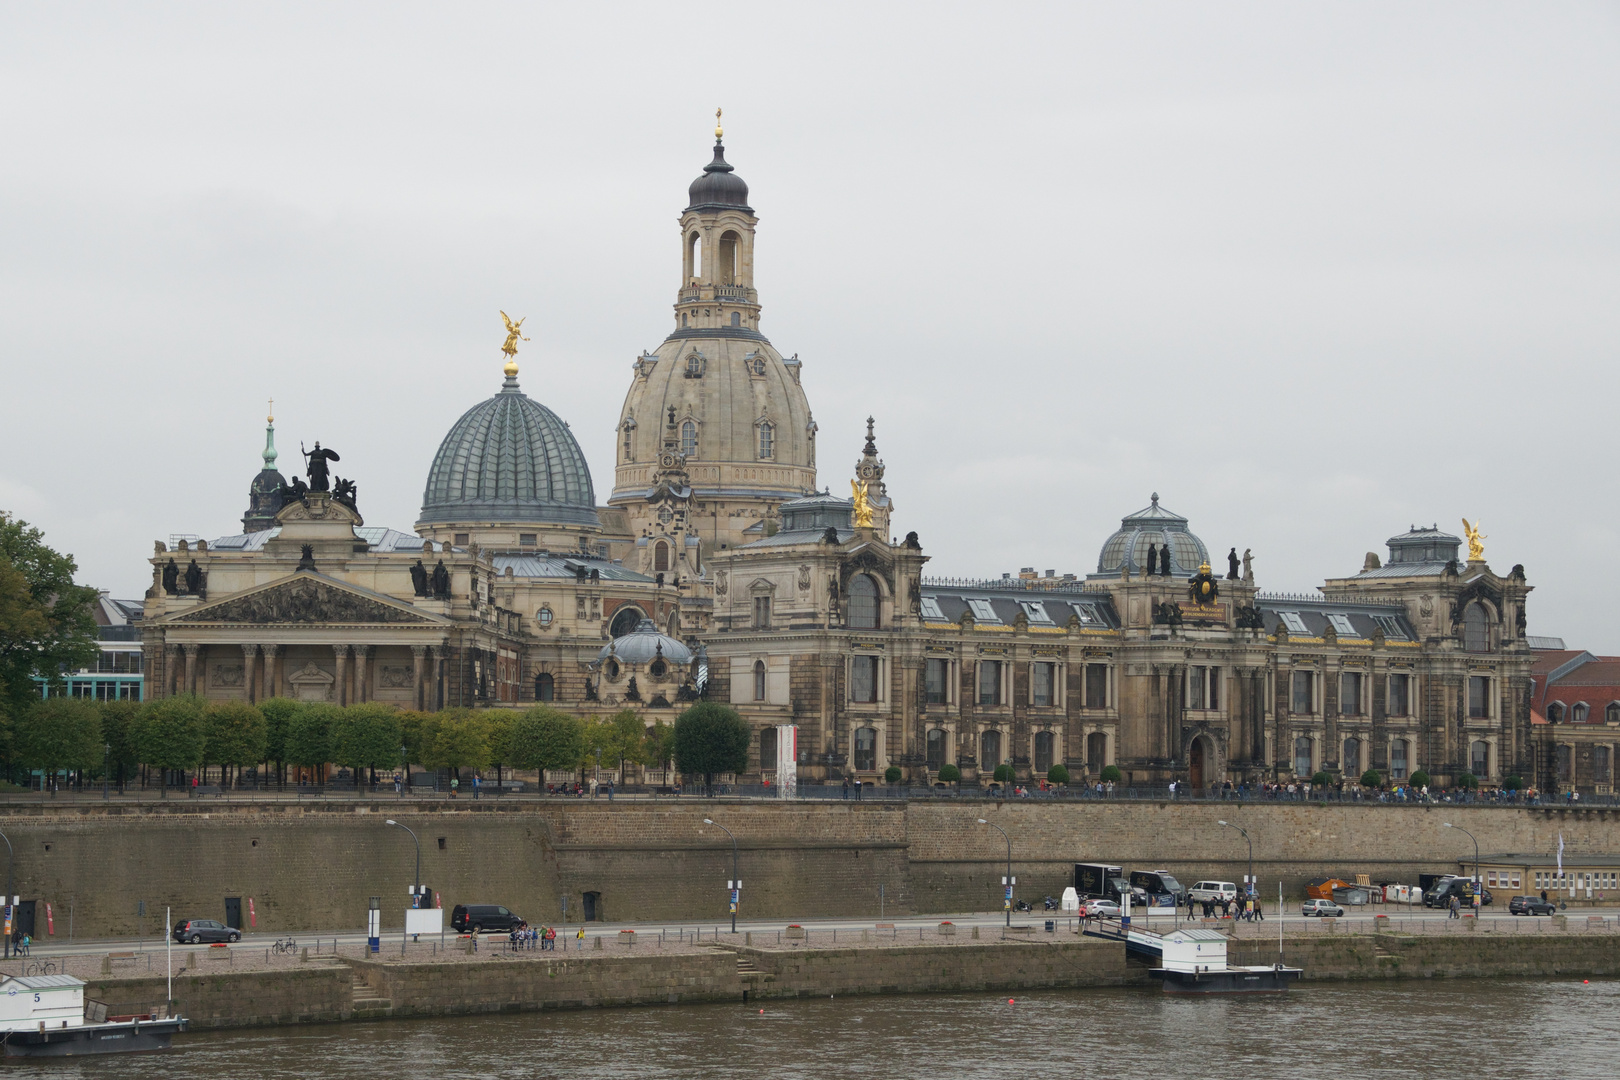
<point x="1312" y="272"/>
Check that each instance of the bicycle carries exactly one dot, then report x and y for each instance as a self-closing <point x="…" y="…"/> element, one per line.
<point x="44" y="967"/>
<point x="284" y="945"/>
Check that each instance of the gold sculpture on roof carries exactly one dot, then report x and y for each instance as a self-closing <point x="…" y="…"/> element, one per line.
<point x="863" y="505"/>
<point x="719" y="132"/>
<point x="1476" y="550"/>
<point x="513" y="334"/>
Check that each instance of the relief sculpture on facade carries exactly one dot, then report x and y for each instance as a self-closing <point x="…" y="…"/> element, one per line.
<point x="302" y="601"/>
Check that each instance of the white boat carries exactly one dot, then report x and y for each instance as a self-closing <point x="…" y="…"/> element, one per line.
<point x="49" y="1016"/>
<point x="1193" y="961"/>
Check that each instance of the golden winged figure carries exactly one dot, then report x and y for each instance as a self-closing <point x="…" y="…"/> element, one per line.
<point x="513" y="336"/>
<point x="863" y="506"/>
<point x="1476" y="550"/>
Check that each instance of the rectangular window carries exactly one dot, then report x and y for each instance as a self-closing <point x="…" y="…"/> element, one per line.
<point x="1096" y="686"/>
<point x="1600" y="764"/>
<point x="1342" y="625"/>
<point x="762" y="613"/>
<point x="1304" y="696"/>
<point x="462" y="538"/>
<point x="1515" y="884"/>
<point x="936" y="686"/>
<point x="1399" y="695"/>
<point x="1350" y="693"/>
<point x="1214" y="688"/>
<point x="1391" y="626"/>
<point x="983" y="612"/>
<point x="863" y="678"/>
<point x="989" y="682"/>
<point x="1490" y="879"/>
<point x="1397" y="759"/>
<point x="1087" y="614"/>
<point x="1040" y="683"/>
<point x="1292" y="619"/>
<point x="1479" y="696"/>
<point x="1035" y="612"/>
<point x="527" y="539"/>
<point x="1196" y="681"/>
<point x="930" y="609"/>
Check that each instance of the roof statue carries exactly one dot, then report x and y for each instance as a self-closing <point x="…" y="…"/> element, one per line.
<point x="863" y="507"/>
<point x="719" y="132"/>
<point x="513" y="336"/>
<point x="1476" y="550"/>
<point x="317" y="471"/>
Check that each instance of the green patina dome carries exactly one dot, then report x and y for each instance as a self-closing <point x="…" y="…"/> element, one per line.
<point x="509" y="459"/>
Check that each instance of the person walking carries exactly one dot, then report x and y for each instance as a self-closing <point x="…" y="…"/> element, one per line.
<point x="1456" y="907"/>
<point x="455" y="784"/>
<point x="846" y="788"/>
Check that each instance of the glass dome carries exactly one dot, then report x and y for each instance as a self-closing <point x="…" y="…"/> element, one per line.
<point x="1152" y="526"/>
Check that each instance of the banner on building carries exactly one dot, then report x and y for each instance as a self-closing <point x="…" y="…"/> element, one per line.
<point x="787" y="760"/>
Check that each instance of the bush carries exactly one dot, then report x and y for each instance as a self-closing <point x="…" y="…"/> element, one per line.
<point x="711" y="738"/>
<point x="949" y="774"/>
<point x="1468" y="780"/>
<point x="1004" y="774"/>
<point x="1321" y="779"/>
<point x="1419" y="779"/>
<point x="891" y="775"/>
<point x="1057" y="774"/>
<point x="1111" y="774"/>
<point x="1371" y="779"/>
<point x="1514" y="783"/>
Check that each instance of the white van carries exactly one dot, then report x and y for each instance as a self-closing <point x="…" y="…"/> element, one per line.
<point x="1212" y="890"/>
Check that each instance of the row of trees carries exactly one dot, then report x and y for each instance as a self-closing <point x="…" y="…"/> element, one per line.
<point x="185" y="733"/>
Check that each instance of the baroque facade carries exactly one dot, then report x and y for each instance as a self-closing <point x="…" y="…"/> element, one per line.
<point x="717" y="568"/>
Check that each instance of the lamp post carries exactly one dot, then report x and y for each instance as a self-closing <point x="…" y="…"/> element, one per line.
<point x="106" y="758"/>
<point x="404" y="770"/>
<point x="736" y="879"/>
<point x="408" y="829"/>
<point x="1253" y="888"/>
<point x="1008" y="901"/>
<point x="10" y="884"/>
<point x="1475" y="839"/>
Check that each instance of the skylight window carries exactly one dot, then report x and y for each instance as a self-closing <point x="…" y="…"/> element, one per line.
<point x="1087" y="614"/>
<point x="1391" y="626"/>
<point x="930" y="609"/>
<point x="983" y="612"/>
<point x="1342" y="625"/>
<point x="1292" y="620"/>
<point x="1035" y="612"/>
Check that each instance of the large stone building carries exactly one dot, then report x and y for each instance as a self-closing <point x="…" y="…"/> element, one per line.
<point x="717" y="567"/>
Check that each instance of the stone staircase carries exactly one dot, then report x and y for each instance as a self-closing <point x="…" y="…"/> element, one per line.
<point x="365" y="1001"/>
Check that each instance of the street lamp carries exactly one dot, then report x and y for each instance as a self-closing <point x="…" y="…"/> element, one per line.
<point x="1475" y="839"/>
<point x="1253" y="889"/>
<point x="408" y="829"/>
<point x="736" y="879"/>
<point x="106" y="756"/>
<point x="1009" y="883"/>
<point x="404" y="770"/>
<point x="10" y="884"/>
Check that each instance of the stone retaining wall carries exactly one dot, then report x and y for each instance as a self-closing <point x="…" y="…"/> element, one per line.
<point x="244" y="999"/>
<point x="1392" y="956"/>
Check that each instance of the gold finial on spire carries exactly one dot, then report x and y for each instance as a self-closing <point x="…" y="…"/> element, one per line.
<point x="718" y="130"/>
<point x="270" y="419"/>
<point x="513" y="336"/>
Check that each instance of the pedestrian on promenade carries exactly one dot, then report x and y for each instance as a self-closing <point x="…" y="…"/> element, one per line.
<point x="846" y="787"/>
<point x="1259" y="911"/>
<point x="1456" y="907"/>
<point x="610" y="790"/>
<point x="455" y="783"/>
<point x="396" y="783"/>
<point x="477" y="782"/>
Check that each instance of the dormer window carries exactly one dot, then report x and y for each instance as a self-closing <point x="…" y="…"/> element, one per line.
<point x="1342" y="625"/>
<point x="983" y="612"/>
<point x="694" y="366"/>
<point x="688" y="439"/>
<point x="767" y="440"/>
<point x="930" y="609"/>
<point x="1391" y="626"/>
<point x="1035" y="612"/>
<point x="1087" y="614"/>
<point x="1292" y="620"/>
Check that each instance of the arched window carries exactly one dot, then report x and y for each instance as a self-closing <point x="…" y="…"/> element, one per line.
<point x="688" y="439"/>
<point x="736" y="318"/>
<point x="728" y="258"/>
<point x="694" y="257"/>
<point x="625" y="620"/>
<point x="936" y="749"/>
<point x="990" y="750"/>
<point x="767" y="440"/>
<point x="759" y="680"/>
<point x="658" y="669"/>
<point x="865" y="749"/>
<point x="545" y="687"/>
<point x="1479" y="758"/>
<point x="1302" y="756"/>
<point x="1351" y="762"/>
<point x="1476" y="629"/>
<point x="660" y="556"/>
<point x="863" y="603"/>
<point x="694" y="366"/>
<point x="1578" y="713"/>
<point x="767" y="749"/>
<point x="1397" y="759"/>
<point x="1044" y="742"/>
<point x="1555" y="713"/>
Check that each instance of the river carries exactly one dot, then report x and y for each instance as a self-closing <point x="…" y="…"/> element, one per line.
<point x="1413" y="1030"/>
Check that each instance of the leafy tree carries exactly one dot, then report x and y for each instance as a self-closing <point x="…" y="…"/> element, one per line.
<point x="1420" y="779"/>
<point x="1468" y="781"/>
<point x="949" y="773"/>
<point x="171" y="734"/>
<point x="1514" y="783"/>
<point x="891" y="775"/>
<point x="1004" y="774"/>
<point x="45" y="619"/>
<point x="278" y="713"/>
<point x="1057" y="774"/>
<point x="1371" y="779"/>
<point x="235" y="735"/>
<point x="546" y="738"/>
<point x="612" y="742"/>
<point x="1111" y="774"/>
<point x="460" y="742"/>
<point x="1321" y="779"/>
<point x="309" y="735"/>
<point x="658" y="744"/>
<point x="711" y="738"/>
<point x="58" y="733"/>
<point x="367" y="736"/>
<point x="119" y="722"/>
<point x="498" y="730"/>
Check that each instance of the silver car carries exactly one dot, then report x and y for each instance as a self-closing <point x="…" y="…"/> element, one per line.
<point x="1325" y="909"/>
<point x="1103" y="909"/>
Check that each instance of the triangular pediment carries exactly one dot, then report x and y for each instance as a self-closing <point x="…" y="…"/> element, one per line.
<point x="307" y="599"/>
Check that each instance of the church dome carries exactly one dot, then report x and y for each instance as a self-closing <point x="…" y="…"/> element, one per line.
<point x="719" y="186"/>
<point x="1157" y="526"/>
<point x="645" y="644"/>
<point x="509" y="459"/>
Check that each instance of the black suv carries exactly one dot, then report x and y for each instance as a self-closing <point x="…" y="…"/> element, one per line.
<point x="477" y="918"/>
<point x="1440" y="896"/>
<point x="197" y="931"/>
<point x="1531" y="905"/>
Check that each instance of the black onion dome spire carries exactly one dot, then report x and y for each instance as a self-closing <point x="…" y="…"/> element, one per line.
<point x="719" y="188"/>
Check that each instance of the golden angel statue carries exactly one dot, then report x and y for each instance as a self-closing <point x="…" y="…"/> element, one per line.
<point x="863" y="505"/>
<point x="1476" y="550"/>
<point x="512" y="334"/>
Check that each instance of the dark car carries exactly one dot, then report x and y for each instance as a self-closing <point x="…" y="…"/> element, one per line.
<point x="1440" y="896"/>
<point x="477" y="918"/>
<point x="197" y="931"/>
<point x="1530" y="905"/>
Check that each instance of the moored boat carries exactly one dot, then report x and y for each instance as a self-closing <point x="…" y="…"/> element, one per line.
<point x="49" y="1016"/>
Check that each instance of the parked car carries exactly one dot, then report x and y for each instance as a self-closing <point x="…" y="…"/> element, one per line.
<point x="1461" y="887"/>
<point x="1212" y="890"/>
<point x="1531" y="905"/>
<point x="197" y="931"/>
<point x="1324" y="909"/>
<point x="1104" y="909"/>
<point x="477" y="918"/>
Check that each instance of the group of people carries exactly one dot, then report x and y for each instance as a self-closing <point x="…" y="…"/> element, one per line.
<point x="1245" y="909"/>
<point x="524" y="936"/>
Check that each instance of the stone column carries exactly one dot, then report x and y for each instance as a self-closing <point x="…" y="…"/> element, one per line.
<point x="270" y="688"/>
<point x="438" y="652"/>
<point x="191" y="669"/>
<point x="171" y="670"/>
<point x="419" y="658"/>
<point x="362" y="673"/>
<point x="342" y="687"/>
<point x="250" y="658"/>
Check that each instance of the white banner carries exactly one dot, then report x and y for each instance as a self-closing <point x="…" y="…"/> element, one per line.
<point x="424" y="920"/>
<point x="787" y="760"/>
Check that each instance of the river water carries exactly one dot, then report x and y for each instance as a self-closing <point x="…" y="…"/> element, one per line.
<point x="1413" y="1030"/>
